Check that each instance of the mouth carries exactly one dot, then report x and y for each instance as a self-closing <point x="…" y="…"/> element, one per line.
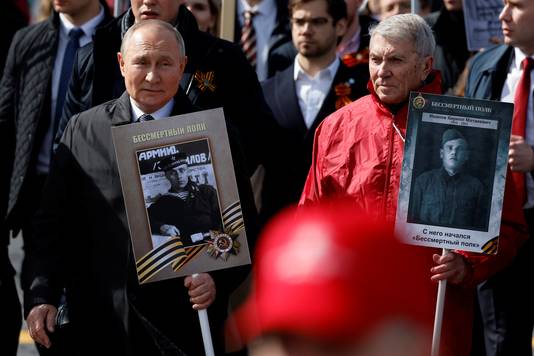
<point x="146" y="15"/>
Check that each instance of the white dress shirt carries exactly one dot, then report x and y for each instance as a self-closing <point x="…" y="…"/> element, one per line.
<point x="311" y="91"/>
<point x="507" y="95"/>
<point x="264" y="23"/>
<point x="88" y="28"/>
<point x="162" y="113"/>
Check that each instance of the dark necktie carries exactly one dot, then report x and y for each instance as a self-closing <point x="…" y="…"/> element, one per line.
<point x="146" y="117"/>
<point x="522" y="94"/>
<point x="248" y="38"/>
<point x="66" y="71"/>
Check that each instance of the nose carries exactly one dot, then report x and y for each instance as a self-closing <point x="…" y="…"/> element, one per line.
<point x="505" y="13"/>
<point x="152" y="76"/>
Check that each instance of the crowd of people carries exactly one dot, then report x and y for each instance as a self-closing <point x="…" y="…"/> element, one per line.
<point x="315" y="98"/>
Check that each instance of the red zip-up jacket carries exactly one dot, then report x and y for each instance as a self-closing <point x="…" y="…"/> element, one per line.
<point x="357" y="153"/>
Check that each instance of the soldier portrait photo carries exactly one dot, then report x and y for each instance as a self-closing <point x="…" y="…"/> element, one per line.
<point x="180" y="192"/>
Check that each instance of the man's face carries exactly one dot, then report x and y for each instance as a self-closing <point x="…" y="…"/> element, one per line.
<point x="152" y="67"/>
<point x="453" y="5"/>
<point x="314" y="33"/>
<point x="72" y="7"/>
<point x="201" y="10"/>
<point x="396" y="69"/>
<point x="454" y="154"/>
<point x="165" y="10"/>
<point x="178" y="176"/>
<point x="517" y="18"/>
<point x="389" y="8"/>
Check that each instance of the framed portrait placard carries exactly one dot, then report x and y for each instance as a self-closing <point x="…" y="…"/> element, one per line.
<point x="453" y="172"/>
<point x="181" y="195"/>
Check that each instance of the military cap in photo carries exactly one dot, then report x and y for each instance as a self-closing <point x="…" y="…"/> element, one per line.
<point x="451" y="134"/>
<point x="172" y="161"/>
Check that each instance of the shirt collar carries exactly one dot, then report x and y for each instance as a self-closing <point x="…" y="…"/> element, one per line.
<point x="518" y="58"/>
<point x="264" y="7"/>
<point x="88" y="27"/>
<point x="162" y="113"/>
<point x="331" y="70"/>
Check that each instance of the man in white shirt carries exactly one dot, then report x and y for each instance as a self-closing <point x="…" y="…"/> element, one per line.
<point x="502" y="73"/>
<point x="31" y="94"/>
<point x="301" y="96"/>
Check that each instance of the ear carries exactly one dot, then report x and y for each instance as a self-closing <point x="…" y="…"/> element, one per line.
<point x="183" y="64"/>
<point x="427" y="66"/>
<point x="441" y="153"/>
<point x="341" y="27"/>
<point x="120" y="59"/>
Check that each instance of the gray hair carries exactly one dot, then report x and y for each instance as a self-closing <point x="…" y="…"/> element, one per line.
<point x="407" y="27"/>
<point x="157" y="23"/>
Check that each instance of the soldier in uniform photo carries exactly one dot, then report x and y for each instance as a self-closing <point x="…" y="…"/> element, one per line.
<point x="448" y="195"/>
<point x="188" y="210"/>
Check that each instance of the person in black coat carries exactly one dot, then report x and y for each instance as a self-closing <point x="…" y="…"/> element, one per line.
<point x="217" y="74"/>
<point x="84" y="240"/>
<point x="27" y="95"/>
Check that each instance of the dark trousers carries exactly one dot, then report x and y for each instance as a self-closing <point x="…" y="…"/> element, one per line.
<point x="9" y="303"/>
<point x="505" y="319"/>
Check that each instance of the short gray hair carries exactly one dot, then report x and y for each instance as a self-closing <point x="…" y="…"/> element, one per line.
<point x="407" y="27"/>
<point x="158" y="23"/>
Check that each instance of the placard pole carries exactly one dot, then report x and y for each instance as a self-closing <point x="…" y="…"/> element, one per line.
<point x="205" y="328"/>
<point x="438" y="318"/>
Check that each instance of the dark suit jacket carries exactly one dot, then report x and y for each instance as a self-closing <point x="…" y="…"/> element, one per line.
<point x="25" y="109"/>
<point x="280" y="36"/>
<point x="84" y="245"/>
<point x="289" y="163"/>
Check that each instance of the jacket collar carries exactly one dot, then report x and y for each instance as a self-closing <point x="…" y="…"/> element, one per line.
<point x="399" y="113"/>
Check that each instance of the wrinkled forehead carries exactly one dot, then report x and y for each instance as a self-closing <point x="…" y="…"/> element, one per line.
<point x="388" y="46"/>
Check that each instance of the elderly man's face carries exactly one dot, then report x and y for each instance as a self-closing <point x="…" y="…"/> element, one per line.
<point x="178" y="176"/>
<point x="517" y="18"/>
<point x="454" y="154"/>
<point x="164" y="10"/>
<point x="396" y="69"/>
<point x="152" y="67"/>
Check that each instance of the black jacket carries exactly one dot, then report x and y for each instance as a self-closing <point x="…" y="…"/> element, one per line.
<point x="84" y="245"/>
<point x="217" y="74"/>
<point x="25" y="109"/>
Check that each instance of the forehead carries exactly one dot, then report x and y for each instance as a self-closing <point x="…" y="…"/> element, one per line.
<point x="311" y="8"/>
<point x="456" y="143"/>
<point x="382" y="46"/>
<point x="152" y="39"/>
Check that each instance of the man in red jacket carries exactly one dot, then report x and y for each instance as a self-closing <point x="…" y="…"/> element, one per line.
<point x="358" y="153"/>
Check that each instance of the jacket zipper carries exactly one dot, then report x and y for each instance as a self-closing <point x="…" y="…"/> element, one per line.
<point x="389" y="162"/>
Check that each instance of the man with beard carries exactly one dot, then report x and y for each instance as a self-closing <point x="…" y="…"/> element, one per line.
<point x="314" y="86"/>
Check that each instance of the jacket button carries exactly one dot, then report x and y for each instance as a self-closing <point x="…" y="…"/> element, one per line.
<point x="30" y="136"/>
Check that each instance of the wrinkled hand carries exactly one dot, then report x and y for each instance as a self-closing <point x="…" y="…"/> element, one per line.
<point x="451" y="267"/>
<point x="169" y="230"/>
<point x="41" y="321"/>
<point x="201" y="290"/>
<point x="521" y="155"/>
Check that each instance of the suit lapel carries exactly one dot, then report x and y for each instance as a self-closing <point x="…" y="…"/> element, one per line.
<point x="329" y="103"/>
<point x="288" y="102"/>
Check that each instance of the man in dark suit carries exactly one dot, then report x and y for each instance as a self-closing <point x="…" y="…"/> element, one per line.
<point x="217" y="73"/>
<point x="30" y="97"/>
<point x="271" y="28"/>
<point x="505" y="73"/>
<point x="314" y="86"/>
<point x="84" y="243"/>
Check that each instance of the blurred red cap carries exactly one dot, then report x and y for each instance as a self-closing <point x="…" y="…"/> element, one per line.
<point x="332" y="273"/>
